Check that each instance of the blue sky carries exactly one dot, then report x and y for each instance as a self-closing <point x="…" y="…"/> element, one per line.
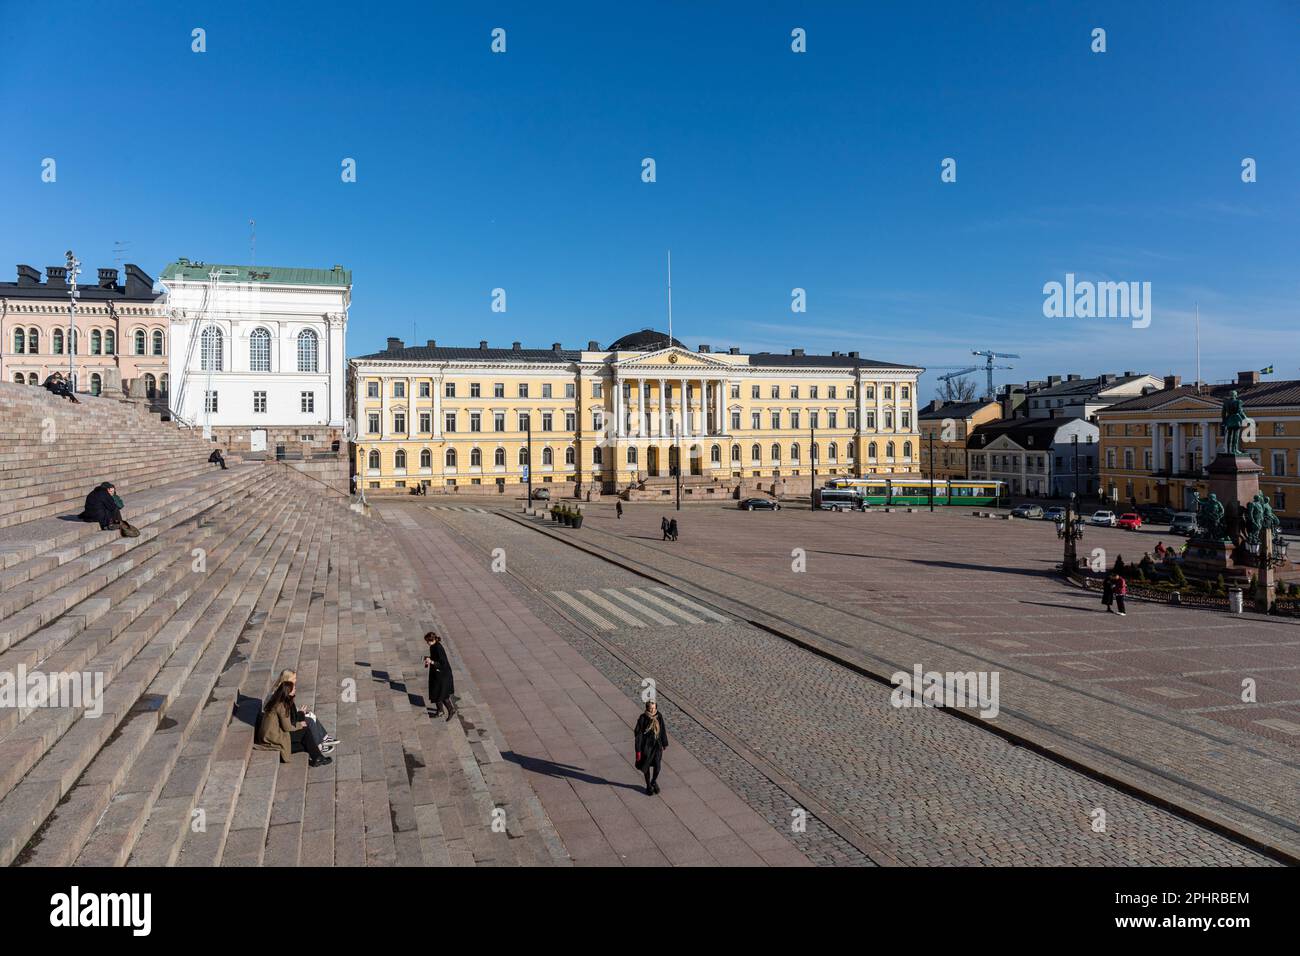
<point x="775" y="170"/>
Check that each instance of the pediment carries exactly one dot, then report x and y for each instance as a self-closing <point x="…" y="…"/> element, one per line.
<point x="1188" y="403"/>
<point x="671" y="359"/>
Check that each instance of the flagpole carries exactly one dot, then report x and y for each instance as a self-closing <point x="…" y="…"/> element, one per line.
<point x="670" y="297"/>
<point x="1198" y="345"/>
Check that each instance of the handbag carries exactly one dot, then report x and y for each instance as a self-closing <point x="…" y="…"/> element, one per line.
<point x="129" y="530"/>
<point x="640" y="760"/>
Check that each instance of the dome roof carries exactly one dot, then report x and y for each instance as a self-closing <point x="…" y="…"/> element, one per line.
<point x="647" y="340"/>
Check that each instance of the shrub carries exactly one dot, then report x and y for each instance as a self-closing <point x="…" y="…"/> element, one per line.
<point x="1179" y="579"/>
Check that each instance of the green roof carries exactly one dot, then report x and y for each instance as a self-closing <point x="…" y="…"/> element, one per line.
<point x="276" y="275"/>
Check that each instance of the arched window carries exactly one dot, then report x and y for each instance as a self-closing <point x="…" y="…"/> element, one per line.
<point x="210" y="350"/>
<point x="889" y="449"/>
<point x="871" y="450"/>
<point x="833" y="452"/>
<point x="426" y="458"/>
<point x="451" y="458"/>
<point x="399" y="458"/>
<point x="548" y="457"/>
<point x="631" y="456"/>
<point x="96" y="384"/>
<point x="776" y="452"/>
<point x="307" y="351"/>
<point x="907" y="449"/>
<point x="164" y="383"/>
<point x="499" y="458"/>
<point x="259" y="351"/>
<point x="75" y="341"/>
<point x="57" y="339"/>
<point x="150" y="385"/>
<point x="33" y="341"/>
<point x="755" y="453"/>
<point x="139" y="341"/>
<point x="18" y="378"/>
<point x="157" y="342"/>
<point x="31" y="378"/>
<point x="794" y="451"/>
<point x="20" y="341"/>
<point x="523" y="455"/>
<point x="110" y="342"/>
<point x="715" y="454"/>
<point x="475" y="458"/>
<point x="597" y="456"/>
<point x="570" y="456"/>
<point x="373" y="461"/>
<point x="96" y="342"/>
<point x="848" y="452"/>
<point x="735" y="453"/>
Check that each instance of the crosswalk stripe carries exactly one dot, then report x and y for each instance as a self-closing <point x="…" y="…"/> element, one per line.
<point x="585" y="611"/>
<point x="612" y="608"/>
<point x="639" y="607"/>
<point x="699" y="608"/>
<point x="672" y="608"/>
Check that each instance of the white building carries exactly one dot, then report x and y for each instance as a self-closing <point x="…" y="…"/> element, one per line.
<point x="257" y="354"/>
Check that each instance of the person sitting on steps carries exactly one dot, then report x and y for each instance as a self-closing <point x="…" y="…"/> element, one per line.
<point x="105" y="507"/>
<point x="57" y="386"/>
<point x="216" y="459"/>
<point x="282" y="725"/>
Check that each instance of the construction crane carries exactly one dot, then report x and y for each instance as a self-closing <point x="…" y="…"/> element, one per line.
<point x="989" y="366"/>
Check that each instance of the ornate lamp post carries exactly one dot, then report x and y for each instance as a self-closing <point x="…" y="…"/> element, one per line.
<point x="74" y="269"/>
<point x="1071" y="532"/>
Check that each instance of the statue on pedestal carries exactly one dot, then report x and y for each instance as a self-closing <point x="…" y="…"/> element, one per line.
<point x="1211" y="518"/>
<point x="1233" y="421"/>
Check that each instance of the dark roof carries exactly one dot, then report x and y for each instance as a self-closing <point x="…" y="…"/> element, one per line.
<point x="647" y="340"/>
<point x="953" y="410"/>
<point x="138" y="286"/>
<point x="781" y="360"/>
<point x="1262" y="395"/>
<point x="1019" y="430"/>
<point x="275" y="275"/>
<point x="425" y="353"/>
<point x="1083" y="386"/>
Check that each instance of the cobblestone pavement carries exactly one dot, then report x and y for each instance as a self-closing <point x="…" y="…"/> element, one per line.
<point x="931" y="789"/>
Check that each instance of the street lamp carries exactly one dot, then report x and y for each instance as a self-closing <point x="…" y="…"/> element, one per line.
<point x="528" y="466"/>
<point x="931" y="437"/>
<point x="812" y="459"/>
<point x="1071" y="532"/>
<point x="74" y="270"/>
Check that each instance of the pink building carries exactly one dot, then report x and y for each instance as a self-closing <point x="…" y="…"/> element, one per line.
<point x="119" y="326"/>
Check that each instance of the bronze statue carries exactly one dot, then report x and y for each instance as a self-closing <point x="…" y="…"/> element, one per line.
<point x="1233" y="421"/>
<point x="1210" y="518"/>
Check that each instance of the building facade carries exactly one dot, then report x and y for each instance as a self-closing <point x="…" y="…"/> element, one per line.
<point x="258" y="354"/>
<point x="120" y="331"/>
<point x="945" y="427"/>
<point x="1155" y="448"/>
<point x="1079" y="397"/>
<point x="1038" y="458"/>
<point x="617" y="418"/>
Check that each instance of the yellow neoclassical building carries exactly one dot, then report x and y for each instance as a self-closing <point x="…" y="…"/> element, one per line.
<point x="616" y="419"/>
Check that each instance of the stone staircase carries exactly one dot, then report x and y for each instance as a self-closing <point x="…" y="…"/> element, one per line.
<point x="236" y="575"/>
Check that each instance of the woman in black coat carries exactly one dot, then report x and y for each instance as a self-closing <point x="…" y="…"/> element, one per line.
<point x="651" y="740"/>
<point x="441" y="683"/>
<point x="101" y="507"/>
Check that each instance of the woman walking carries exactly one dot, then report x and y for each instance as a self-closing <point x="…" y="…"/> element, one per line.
<point x="441" y="683"/>
<point x="1108" y="592"/>
<point x="651" y="740"/>
<point x="1121" y="589"/>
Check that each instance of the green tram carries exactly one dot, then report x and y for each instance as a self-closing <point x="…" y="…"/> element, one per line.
<point x="916" y="491"/>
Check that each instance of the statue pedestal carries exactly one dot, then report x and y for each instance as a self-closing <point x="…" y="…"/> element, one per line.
<point x="1234" y="480"/>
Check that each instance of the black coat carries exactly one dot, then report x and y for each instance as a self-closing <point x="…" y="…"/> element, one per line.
<point x="1108" y="592"/>
<point x="441" y="683"/>
<point x="100" y="507"/>
<point x="647" y="745"/>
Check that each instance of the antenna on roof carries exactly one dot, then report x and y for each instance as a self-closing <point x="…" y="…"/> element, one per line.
<point x="252" y="242"/>
<point x="120" y="250"/>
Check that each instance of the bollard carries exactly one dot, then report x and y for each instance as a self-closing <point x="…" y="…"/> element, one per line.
<point x="1235" y="602"/>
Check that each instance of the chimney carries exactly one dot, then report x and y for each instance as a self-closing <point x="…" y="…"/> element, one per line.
<point x="1130" y="374"/>
<point x="593" y="346"/>
<point x="853" y="355"/>
<point x="704" y="348"/>
<point x="515" y="346"/>
<point x="796" y="351"/>
<point x="1055" y="380"/>
<point x="107" y="278"/>
<point x="1247" y="378"/>
<point x="27" y="276"/>
<point x="1107" y="379"/>
<point x="56" y="277"/>
<point x="394" y="344"/>
<point x="482" y="344"/>
<point x="1073" y="377"/>
<point x="431" y="344"/>
<point x="138" y="283"/>
<point x="835" y="354"/>
<point x="1173" y="381"/>
<point x="555" y="346"/>
<point x="734" y="350"/>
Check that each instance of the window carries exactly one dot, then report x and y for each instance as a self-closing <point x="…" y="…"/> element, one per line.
<point x="871" y="450"/>
<point x="399" y="388"/>
<point x="889" y="419"/>
<point x="631" y="456"/>
<point x="426" y="422"/>
<point x="753" y="391"/>
<point x="524" y="419"/>
<point x="871" y="419"/>
<point x="546" y="421"/>
<point x="399" y="459"/>
<point x="569" y="454"/>
<point x="150" y="385"/>
<point x="210" y="350"/>
<point x="597" y="390"/>
<point x="755" y="453"/>
<point x="813" y="420"/>
<point x="871" y="391"/>
<point x="450" y="458"/>
<point x="426" y="458"/>
<point x="449" y="422"/>
<point x="735" y="453"/>
<point x="715" y="454"/>
<point x="20" y="341"/>
<point x="833" y="451"/>
<point x="776" y="391"/>
<point x="794" y="452"/>
<point x="499" y="390"/>
<point x="523" y="455"/>
<point x="735" y="421"/>
<point x="548" y="457"/>
<point x="157" y="343"/>
<point x="498" y="421"/>
<point x="372" y="389"/>
<point x="907" y="420"/>
<point x="776" y="452"/>
<point x="570" y="421"/>
<point x="449" y="390"/>
<point x="96" y="343"/>
<point x="889" y="391"/>
<point x="907" y="451"/>
<point x="110" y="342"/>
<point x="96" y="384"/>
<point x="307" y="351"/>
<point x="499" y="457"/>
<point x="1128" y="459"/>
<point x="259" y="353"/>
<point x="906" y="391"/>
<point x="424" y="390"/>
<point x="307" y="402"/>
<point x="776" y="420"/>
<point x="1279" y="463"/>
<point x="372" y="461"/>
<point x="164" y="383"/>
<point x="209" y="401"/>
<point x="598" y="420"/>
<point x="889" y="449"/>
<point x="794" y="420"/>
<point x="794" y="391"/>
<point x="830" y="391"/>
<point x="569" y="390"/>
<point x="372" y="423"/>
<point x="812" y="391"/>
<point x="57" y="339"/>
<point x="399" y="421"/>
<point x="1110" y="457"/>
<point x="832" y="419"/>
<point x="475" y="421"/>
<point x="523" y="389"/>
<point x="735" y="391"/>
<point x="259" y="403"/>
<point x="756" y="420"/>
<point x="546" y="390"/>
<point x="1279" y="500"/>
<point x="851" y="418"/>
<point x="139" y="342"/>
<point x="597" y="456"/>
<point x="475" y="458"/>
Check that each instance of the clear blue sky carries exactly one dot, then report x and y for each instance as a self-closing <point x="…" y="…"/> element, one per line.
<point x="775" y="170"/>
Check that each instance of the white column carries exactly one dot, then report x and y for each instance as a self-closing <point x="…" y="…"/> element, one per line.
<point x="410" y="408"/>
<point x="1178" y="448"/>
<point x="1157" y="447"/>
<point x="663" y="410"/>
<point x="685" y="414"/>
<point x="618" y="406"/>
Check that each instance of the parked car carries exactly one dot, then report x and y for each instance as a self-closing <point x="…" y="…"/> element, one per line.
<point x="1054" y="513"/>
<point x="1155" y="514"/>
<point x="759" y="504"/>
<point x="541" y="494"/>
<point x="1184" y="523"/>
<point x="1027" y="511"/>
<point x="1129" y="522"/>
<point x="1105" y="519"/>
